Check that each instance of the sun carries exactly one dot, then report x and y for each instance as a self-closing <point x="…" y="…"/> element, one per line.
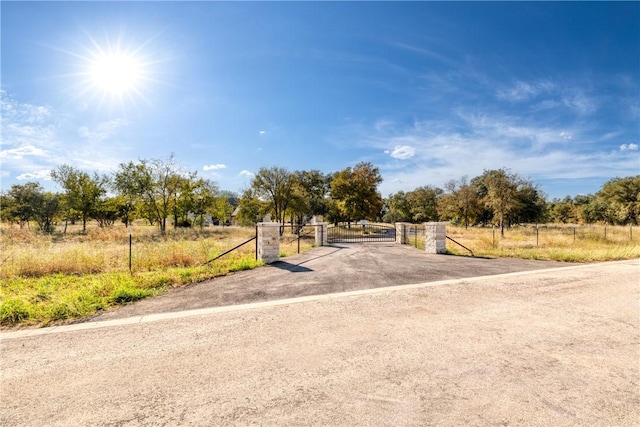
<point x="116" y="73"/>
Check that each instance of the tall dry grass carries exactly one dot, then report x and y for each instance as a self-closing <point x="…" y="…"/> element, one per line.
<point x="550" y="242"/>
<point x="60" y="277"/>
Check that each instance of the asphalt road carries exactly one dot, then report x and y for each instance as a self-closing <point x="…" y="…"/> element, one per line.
<point x="551" y="347"/>
<point x="324" y="270"/>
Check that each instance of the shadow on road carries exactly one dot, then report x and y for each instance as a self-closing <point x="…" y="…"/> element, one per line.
<point x="293" y="268"/>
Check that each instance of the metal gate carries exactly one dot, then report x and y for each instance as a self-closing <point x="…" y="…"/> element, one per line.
<point x="361" y="233"/>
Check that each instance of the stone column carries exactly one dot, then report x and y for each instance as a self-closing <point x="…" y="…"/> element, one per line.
<point x="268" y="242"/>
<point x="436" y="234"/>
<point x="321" y="233"/>
<point x="401" y="230"/>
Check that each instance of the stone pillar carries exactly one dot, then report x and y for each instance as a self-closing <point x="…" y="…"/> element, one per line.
<point x="436" y="234"/>
<point x="268" y="242"/>
<point x="321" y="233"/>
<point x="401" y="233"/>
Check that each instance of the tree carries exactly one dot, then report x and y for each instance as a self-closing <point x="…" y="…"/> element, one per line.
<point x="357" y="190"/>
<point x="20" y="202"/>
<point x="275" y="186"/>
<point x="251" y="208"/>
<point x="500" y="188"/>
<point x="29" y="202"/>
<point x="423" y="203"/>
<point x="130" y="182"/>
<point x="203" y="199"/>
<point x="313" y="187"/>
<point x="462" y="203"/>
<point x="109" y="210"/>
<point x="530" y="204"/>
<point x="397" y="208"/>
<point x="623" y="196"/>
<point x="83" y="192"/>
<point x="46" y="209"/>
<point x="155" y="182"/>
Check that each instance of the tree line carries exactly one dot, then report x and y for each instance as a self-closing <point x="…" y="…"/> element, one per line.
<point x="158" y="191"/>
<point x="154" y="190"/>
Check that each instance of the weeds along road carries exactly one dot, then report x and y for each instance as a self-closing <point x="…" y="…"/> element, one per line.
<point x="551" y="347"/>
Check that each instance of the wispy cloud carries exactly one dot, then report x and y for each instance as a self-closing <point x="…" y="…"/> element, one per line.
<point x="468" y="144"/>
<point x="214" y="167"/>
<point x="524" y="91"/>
<point x="38" y="138"/>
<point x="245" y="172"/>
<point x="101" y="131"/>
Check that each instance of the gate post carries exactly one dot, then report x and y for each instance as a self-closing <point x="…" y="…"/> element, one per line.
<point x="268" y="242"/>
<point x="436" y="236"/>
<point x="321" y="233"/>
<point x="401" y="236"/>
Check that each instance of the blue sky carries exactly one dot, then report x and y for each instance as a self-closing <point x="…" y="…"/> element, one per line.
<point x="425" y="91"/>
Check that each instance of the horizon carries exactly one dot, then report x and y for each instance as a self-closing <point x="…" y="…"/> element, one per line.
<point x="427" y="92"/>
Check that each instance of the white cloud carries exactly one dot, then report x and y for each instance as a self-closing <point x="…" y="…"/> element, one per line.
<point x="402" y="152"/>
<point x="247" y="173"/>
<point x="37" y="175"/>
<point x="214" y="167"/>
<point x="262" y="132"/>
<point x="629" y="147"/>
<point x="21" y="152"/>
<point x="565" y="135"/>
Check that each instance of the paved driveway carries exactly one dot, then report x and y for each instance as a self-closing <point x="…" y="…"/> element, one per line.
<point x="324" y="270"/>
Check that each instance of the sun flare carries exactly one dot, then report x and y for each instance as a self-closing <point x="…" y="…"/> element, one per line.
<point x="116" y="73"/>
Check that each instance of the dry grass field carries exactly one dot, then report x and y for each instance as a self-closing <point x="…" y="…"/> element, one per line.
<point x="550" y="242"/>
<point x="56" y="278"/>
<point x="49" y="279"/>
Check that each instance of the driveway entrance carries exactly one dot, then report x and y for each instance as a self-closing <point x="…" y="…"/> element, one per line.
<point x="323" y="270"/>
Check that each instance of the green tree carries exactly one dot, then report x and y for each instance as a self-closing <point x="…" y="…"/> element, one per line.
<point x="83" y="191"/>
<point x="46" y="209"/>
<point x="156" y="182"/>
<point x="130" y="182"/>
<point x="109" y="210"/>
<point x="397" y="208"/>
<point x="499" y="189"/>
<point x="251" y="208"/>
<point x="623" y="197"/>
<point x="275" y="186"/>
<point x="423" y="203"/>
<point x="462" y="203"/>
<point x="357" y="190"/>
<point x="203" y="199"/>
<point x="19" y="203"/>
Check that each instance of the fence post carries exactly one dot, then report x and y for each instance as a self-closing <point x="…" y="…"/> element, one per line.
<point x="320" y="233"/>
<point x="401" y="237"/>
<point x="436" y="236"/>
<point x="268" y="242"/>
